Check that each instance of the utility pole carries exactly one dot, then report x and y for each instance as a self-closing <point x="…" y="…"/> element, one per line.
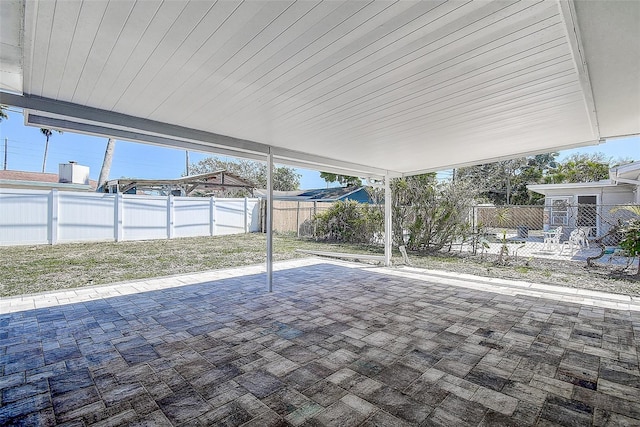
<point x="187" y="162"/>
<point x="6" y="143"/>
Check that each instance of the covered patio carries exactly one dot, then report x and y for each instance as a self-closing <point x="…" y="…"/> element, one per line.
<point x="378" y="89"/>
<point x="374" y="89"/>
<point x="336" y="344"/>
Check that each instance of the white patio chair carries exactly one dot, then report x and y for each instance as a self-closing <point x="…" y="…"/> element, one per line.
<point x="551" y="239"/>
<point x="587" y="232"/>
<point x="577" y="241"/>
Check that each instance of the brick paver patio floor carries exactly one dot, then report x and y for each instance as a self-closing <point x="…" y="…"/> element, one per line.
<point x="337" y="344"/>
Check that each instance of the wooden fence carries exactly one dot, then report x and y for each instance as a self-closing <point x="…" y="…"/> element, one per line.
<point x="293" y="216"/>
<point x="531" y="217"/>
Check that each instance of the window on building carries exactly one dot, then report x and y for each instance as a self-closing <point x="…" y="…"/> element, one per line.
<point x="559" y="211"/>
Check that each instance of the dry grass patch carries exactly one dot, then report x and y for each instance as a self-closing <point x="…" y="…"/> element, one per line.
<point x="31" y="269"/>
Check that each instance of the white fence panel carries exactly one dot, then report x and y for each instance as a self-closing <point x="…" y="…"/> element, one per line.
<point x="85" y="216"/>
<point x="144" y="217"/>
<point x="191" y="216"/>
<point x="24" y="217"/>
<point x="52" y="216"/>
<point x="229" y="216"/>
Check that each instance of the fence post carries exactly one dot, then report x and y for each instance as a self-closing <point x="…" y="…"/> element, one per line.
<point x="170" y="215"/>
<point x="53" y="217"/>
<point x="315" y="223"/>
<point x="246" y="215"/>
<point x="298" y="219"/>
<point x="212" y="216"/>
<point x="117" y="223"/>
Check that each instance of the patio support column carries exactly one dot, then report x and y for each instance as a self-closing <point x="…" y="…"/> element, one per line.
<point x="387" y="221"/>
<point x="269" y="221"/>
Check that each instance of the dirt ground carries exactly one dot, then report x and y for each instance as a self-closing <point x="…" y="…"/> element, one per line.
<point x="575" y="274"/>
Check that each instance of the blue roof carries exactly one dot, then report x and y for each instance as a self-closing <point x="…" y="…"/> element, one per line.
<point x="358" y="194"/>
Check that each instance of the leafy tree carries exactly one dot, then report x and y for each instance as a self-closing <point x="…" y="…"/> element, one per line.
<point x="47" y="134"/>
<point x="505" y="182"/>
<point x="345" y="180"/>
<point x="580" y="168"/>
<point x="497" y="180"/>
<point x="3" y="115"/>
<point x="284" y="178"/>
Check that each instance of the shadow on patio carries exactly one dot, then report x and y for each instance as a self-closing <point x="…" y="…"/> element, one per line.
<point x="336" y="344"/>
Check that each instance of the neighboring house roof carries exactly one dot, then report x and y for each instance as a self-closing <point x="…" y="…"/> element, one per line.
<point x="332" y="194"/>
<point x="28" y="176"/>
<point x="25" y="179"/>
<point x="628" y="174"/>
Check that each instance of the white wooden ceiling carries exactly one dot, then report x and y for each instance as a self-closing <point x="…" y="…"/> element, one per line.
<point x="401" y="86"/>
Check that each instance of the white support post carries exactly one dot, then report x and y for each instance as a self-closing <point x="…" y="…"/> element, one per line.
<point x="170" y="215"/>
<point x="270" y="221"/>
<point x="246" y="215"/>
<point x="212" y="216"/>
<point x="117" y="223"/>
<point x="53" y="217"/>
<point x="387" y="222"/>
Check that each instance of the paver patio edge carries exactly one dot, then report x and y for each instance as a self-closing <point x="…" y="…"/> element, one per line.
<point x="510" y="287"/>
<point x="515" y="287"/>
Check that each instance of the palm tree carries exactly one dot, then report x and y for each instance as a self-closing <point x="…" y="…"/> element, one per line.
<point x="47" y="133"/>
<point x="106" y="165"/>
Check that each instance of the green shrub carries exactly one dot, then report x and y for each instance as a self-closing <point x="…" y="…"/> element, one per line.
<point x="630" y="232"/>
<point x="350" y="222"/>
<point x="631" y="239"/>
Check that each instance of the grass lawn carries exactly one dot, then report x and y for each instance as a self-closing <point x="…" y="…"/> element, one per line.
<point x="31" y="269"/>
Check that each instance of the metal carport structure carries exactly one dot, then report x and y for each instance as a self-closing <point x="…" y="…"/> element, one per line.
<point x="371" y="88"/>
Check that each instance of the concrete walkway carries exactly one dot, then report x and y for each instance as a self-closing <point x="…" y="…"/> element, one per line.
<point x="337" y="344"/>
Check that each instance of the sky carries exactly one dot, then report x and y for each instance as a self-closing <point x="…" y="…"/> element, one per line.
<point x="134" y="160"/>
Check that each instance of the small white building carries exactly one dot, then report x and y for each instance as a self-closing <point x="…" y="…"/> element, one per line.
<point x="588" y="204"/>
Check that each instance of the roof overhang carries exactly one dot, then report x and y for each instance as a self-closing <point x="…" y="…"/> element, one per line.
<point x="360" y="88"/>
<point x="628" y="174"/>
<point x="546" y="188"/>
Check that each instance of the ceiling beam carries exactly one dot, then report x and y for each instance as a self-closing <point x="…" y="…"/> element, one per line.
<point x="45" y="112"/>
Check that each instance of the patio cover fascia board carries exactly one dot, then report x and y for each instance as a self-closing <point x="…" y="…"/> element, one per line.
<point x="510" y="157"/>
<point x="44" y="112"/>
<point x="570" y="20"/>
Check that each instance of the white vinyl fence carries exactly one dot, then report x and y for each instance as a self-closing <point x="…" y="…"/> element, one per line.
<point x="30" y="217"/>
